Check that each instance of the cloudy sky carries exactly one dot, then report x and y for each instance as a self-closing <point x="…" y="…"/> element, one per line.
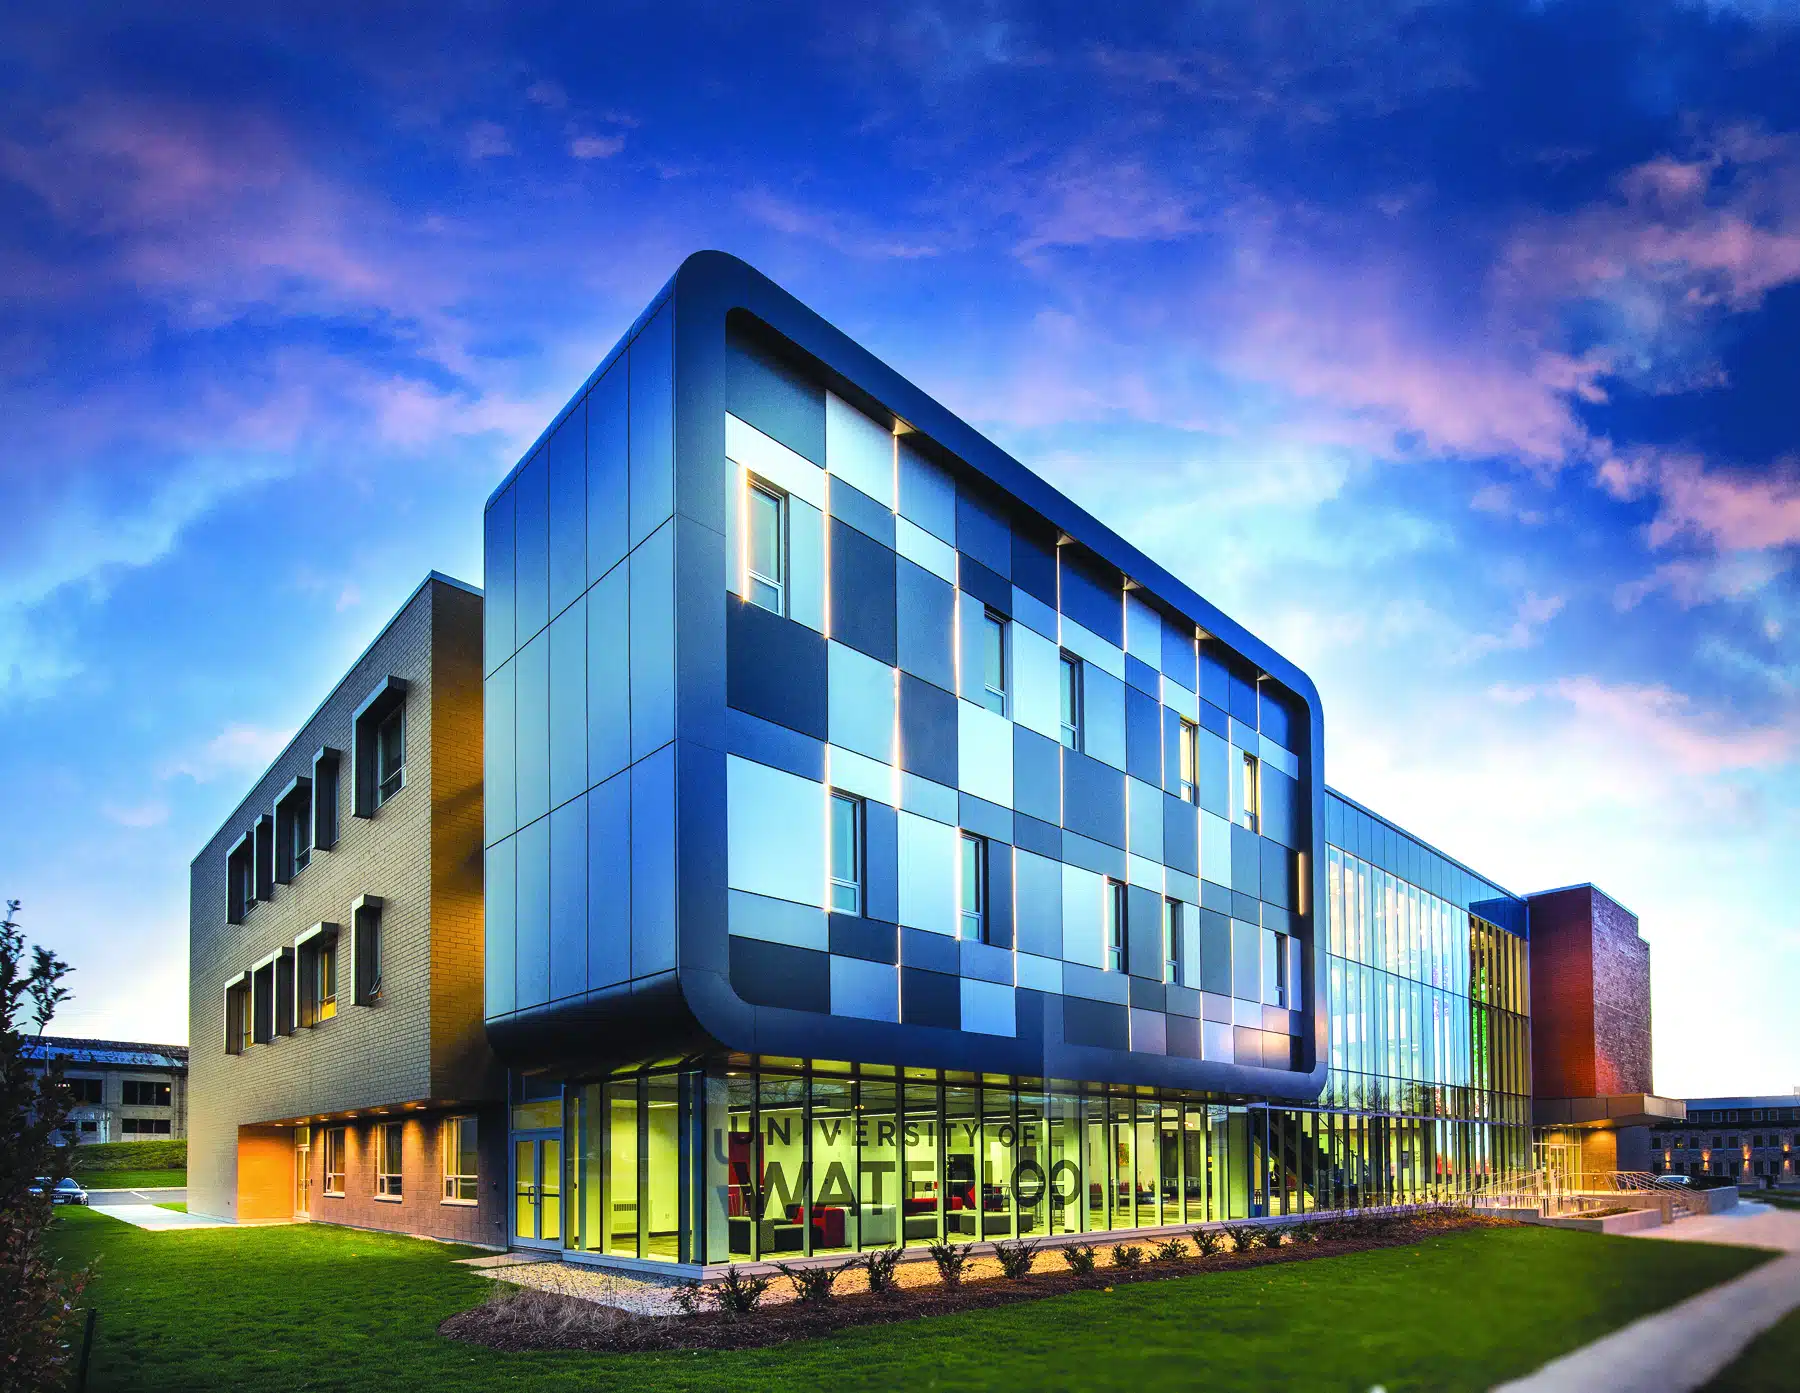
<point x="1451" y="348"/>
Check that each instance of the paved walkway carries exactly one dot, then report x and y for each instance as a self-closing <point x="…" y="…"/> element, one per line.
<point x="150" y="1216"/>
<point x="1684" y="1347"/>
<point x="149" y="1194"/>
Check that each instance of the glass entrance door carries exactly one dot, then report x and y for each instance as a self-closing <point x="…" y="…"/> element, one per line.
<point x="302" y="1172"/>
<point x="537" y="1191"/>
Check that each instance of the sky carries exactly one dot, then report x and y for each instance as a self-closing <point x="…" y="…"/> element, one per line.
<point x="1450" y="348"/>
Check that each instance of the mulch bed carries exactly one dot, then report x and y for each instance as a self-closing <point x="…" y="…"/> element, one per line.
<point x="538" y="1320"/>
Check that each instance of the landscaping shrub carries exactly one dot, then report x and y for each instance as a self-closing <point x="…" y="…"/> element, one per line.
<point x="1208" y="1241"/>
<point x="1272" y="1236"/>
<point x="879" y="1267"/>
<point x="738" y="1293"/>
<point x="1081" y="1258"/>
<point x="1305" y="1233"/>
<point x="1016" y="1259"/>
<point x="812" y="1284"/>
<point x="1128" y="1257"/>
<point x="951" y="1260"/>
<point x="1169" y="1250"/>
<point x="1243" y="1238"/>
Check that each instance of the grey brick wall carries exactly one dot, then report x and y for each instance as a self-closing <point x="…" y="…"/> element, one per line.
<point x="420" y="853"/>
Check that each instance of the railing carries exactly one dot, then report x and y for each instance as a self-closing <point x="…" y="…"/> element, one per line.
<point x="1559" y="1192"/>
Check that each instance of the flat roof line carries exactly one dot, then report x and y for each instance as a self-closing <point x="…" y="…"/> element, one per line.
<point x="1415" y="837"/>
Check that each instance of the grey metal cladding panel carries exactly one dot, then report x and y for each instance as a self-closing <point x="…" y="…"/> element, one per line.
<point x="851" y="506"/>
<point x="568" y="508"/>
<point x="531" y="977"/>
<point x="775" y="669"/>
<point x="608" y="471"/>
<point x="1246" y="861"/>
<point x="497" y="581"/>
<point x="925" y="623"/>
<point x="775" y="974"/>
<point x="1277" y="873"/>
<point x="652" y="443"/>
<point x="532" y="717"/>
<point x="1034" y="562"/>
<point x="609" y="882"/>
<point x="1144" y="932"/>
<point x="569" y="899"/>
<point x="653" y="889"/>
<point x="982" y="532"/>
<point x="1037" y="903"/>
<point x="1093" y="799"/>
<point x="1143" y="736"/>
<point x="881" y="836"/>
<point x="1037" y="775"/>
<point x="704" y="857"/>
<point x="499" y="928"/>
<point x="991" y="588"/>
<point x="1181" y="835"/>
<point x="928" y="730"/>
<point x="652" y="642"/>
<point x="774" y="396"/>
<point x="531" y="542"/>
<point x="568" y="703"/>
<point x="609" y="675"/>
<point x="862" y="592"/>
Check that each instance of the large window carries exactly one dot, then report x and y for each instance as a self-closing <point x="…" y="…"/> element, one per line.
<point x="460" y="1160"/>
<point x="765" y="547"/>
<point x="846" y="854"/>
<point x="334" y="1160"/>
<point x="388" y="1151"/>
<point x="993" y="662"/>
<point x="974" y="888"/>
<point x="1190" y="760"/>
<point x="1071" y="701"/>
<point x="316" y="966"/>
<point x="142" y="1093"/>
<point x="145" y="1127"/>
<point x="1115" y="925"/>
<point x="86" y="1090"/>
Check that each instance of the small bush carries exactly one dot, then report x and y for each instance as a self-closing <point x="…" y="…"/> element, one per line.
<point x="1169" y="1250"/>
<point x="812" y="1284"/>
<point x="1081" y="1258"/>
<point x="688" y="1296"/>
<point x="1306" y="1233"/>
<point x="1272" y="1236"/>
<point x="1243" y="1238"/>
<point x="1208" y="1242"/>
<point x="879" y="1267"/>
<point x="1127" y="1256"/>
<point x="951" y="1259"/>
<point x="1016" y="1259"/>
<point x="738" y="1293"/>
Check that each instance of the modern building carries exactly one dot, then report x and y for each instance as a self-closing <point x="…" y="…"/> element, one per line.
<point x="121" y="1090"/>
<point x="881" y="849"/>
<point x="874" y="849"/>
<point x="1748" y="1141"/>
<point x="340" y="1071"/>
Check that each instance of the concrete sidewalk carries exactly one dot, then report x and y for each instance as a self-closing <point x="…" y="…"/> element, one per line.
<point x="150" y="1216"/>
<point x="1684" y="1347"/>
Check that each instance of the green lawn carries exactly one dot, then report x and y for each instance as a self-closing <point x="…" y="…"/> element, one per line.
<point x="1768" y="1366"/>
<point x="132" y="1180"/>
<point x="312" y="1307"/>
<point x="179" y="1206"/>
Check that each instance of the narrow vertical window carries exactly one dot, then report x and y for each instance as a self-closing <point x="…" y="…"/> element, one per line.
<point x="974" y="888"/>
<point x="846" y="854"/>
<point x="766" y="547"/>
<point x="460" y="1160"/>
<point x="1115" y="925"/>
<point x="388" y="1160"/>
<point x="1172" y="941"/>
<point x="300" y="831"/>
<point x="993" y="662"/>
<point x="390" y="754"/>
<point x="1249" y="791"/>
<point x="334" y="1161"/>
<point x="1071" y="701"/>
<point x="1190" y="760"/>
<point x="325" y="980"/>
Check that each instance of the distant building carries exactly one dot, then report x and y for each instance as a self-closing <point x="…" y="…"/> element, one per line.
<point x="1747" y="1140"/>
<point x="124" y="1090"/>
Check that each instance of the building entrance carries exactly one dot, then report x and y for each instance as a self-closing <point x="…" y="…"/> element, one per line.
<point x="537" y="1190"/>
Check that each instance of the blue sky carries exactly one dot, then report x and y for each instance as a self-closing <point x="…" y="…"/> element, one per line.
<point x="1450" y="347"/>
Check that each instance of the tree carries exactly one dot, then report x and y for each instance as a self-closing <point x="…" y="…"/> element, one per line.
<point x="37" y="1303"/>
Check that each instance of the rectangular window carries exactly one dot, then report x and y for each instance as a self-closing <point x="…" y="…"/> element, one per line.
<point x="325" y="799"/>
<point x="293" y="830"/>
<point x="262" y="1003"/>
<point x="141" y="1093"/>
<point x="1190" y="760"/>
<point x="237" y="1016"/>
<point x="460" y="1160"/>
<point x="325" y="981"/>
<point x="387" y="1160"/>
<point x="240" y="878"/>
<point x="1071" y="701"/>
<point x="993" y="662"/>
<point x="1172" y="940"/>
<point x="145" y="1126"/>
<point x="334" y="1160"/>
<point x="390" y="755"/>
<point x="974" y="888"/>
<point x="1248" y="790"/>
<point x="1115" y="925"/>
<point x="365" y="928"/>
<point x="86" y="1090"/>
<point x="846" y="854"/>
<point x="765" y="547"/>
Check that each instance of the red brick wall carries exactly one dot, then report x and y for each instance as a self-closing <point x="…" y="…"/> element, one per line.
<point x="1590" y="997"/>
<point x="421" y="1208"/>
